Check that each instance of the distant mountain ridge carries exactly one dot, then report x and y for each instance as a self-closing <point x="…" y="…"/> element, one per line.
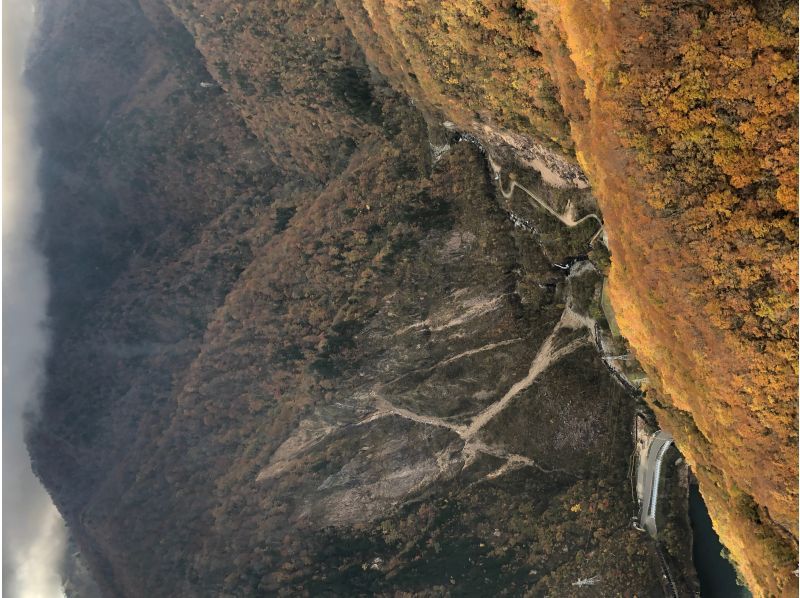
<point x="281" y="300"/>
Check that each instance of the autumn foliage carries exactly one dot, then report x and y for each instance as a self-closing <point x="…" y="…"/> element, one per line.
<point x="214" y="251"/>
<point x="699" y="195"/>
<point x="685" y="117"/>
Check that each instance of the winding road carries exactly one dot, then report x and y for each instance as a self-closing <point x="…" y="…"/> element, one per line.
<point x="566" y="218"/>
<point x="650" y="473"/>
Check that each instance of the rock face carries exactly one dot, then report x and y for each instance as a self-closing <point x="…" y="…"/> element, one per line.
<point x="307" y="337"/>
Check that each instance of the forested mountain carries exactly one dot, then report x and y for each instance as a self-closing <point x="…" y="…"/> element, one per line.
<point x="306" y="342"/>
<point x="684" y="117"/>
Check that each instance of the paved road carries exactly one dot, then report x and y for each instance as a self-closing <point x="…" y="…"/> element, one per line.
<point x="651" y="475"/>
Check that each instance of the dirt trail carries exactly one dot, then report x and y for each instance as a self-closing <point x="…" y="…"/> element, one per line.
<point x="546" y="356"/>
<point x="489" y="347"/>
<point x="566" y="218"/>
<point x="473" y="308"/>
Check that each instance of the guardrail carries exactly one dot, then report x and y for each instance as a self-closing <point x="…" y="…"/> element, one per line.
<point x="651" y="510"/>
<point x="665" y="569"/>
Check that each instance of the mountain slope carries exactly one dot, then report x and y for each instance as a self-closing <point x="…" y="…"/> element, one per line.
<point x="684" y="117"/>
<point x="302" y="343"/>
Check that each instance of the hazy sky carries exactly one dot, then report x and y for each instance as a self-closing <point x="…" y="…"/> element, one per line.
<point x="33" y="533"/>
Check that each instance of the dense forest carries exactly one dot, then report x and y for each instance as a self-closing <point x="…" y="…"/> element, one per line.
<point x="684" y="116"/>
<point x="290" y="315"/>
<point x="286" y="286"/>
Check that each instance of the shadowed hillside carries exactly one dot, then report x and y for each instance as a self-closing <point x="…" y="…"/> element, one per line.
<point x="306" y="342"/>
<point x="298" y="330"/>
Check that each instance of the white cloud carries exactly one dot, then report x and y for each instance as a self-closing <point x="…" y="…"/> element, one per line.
<point x="33" y="532"/>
